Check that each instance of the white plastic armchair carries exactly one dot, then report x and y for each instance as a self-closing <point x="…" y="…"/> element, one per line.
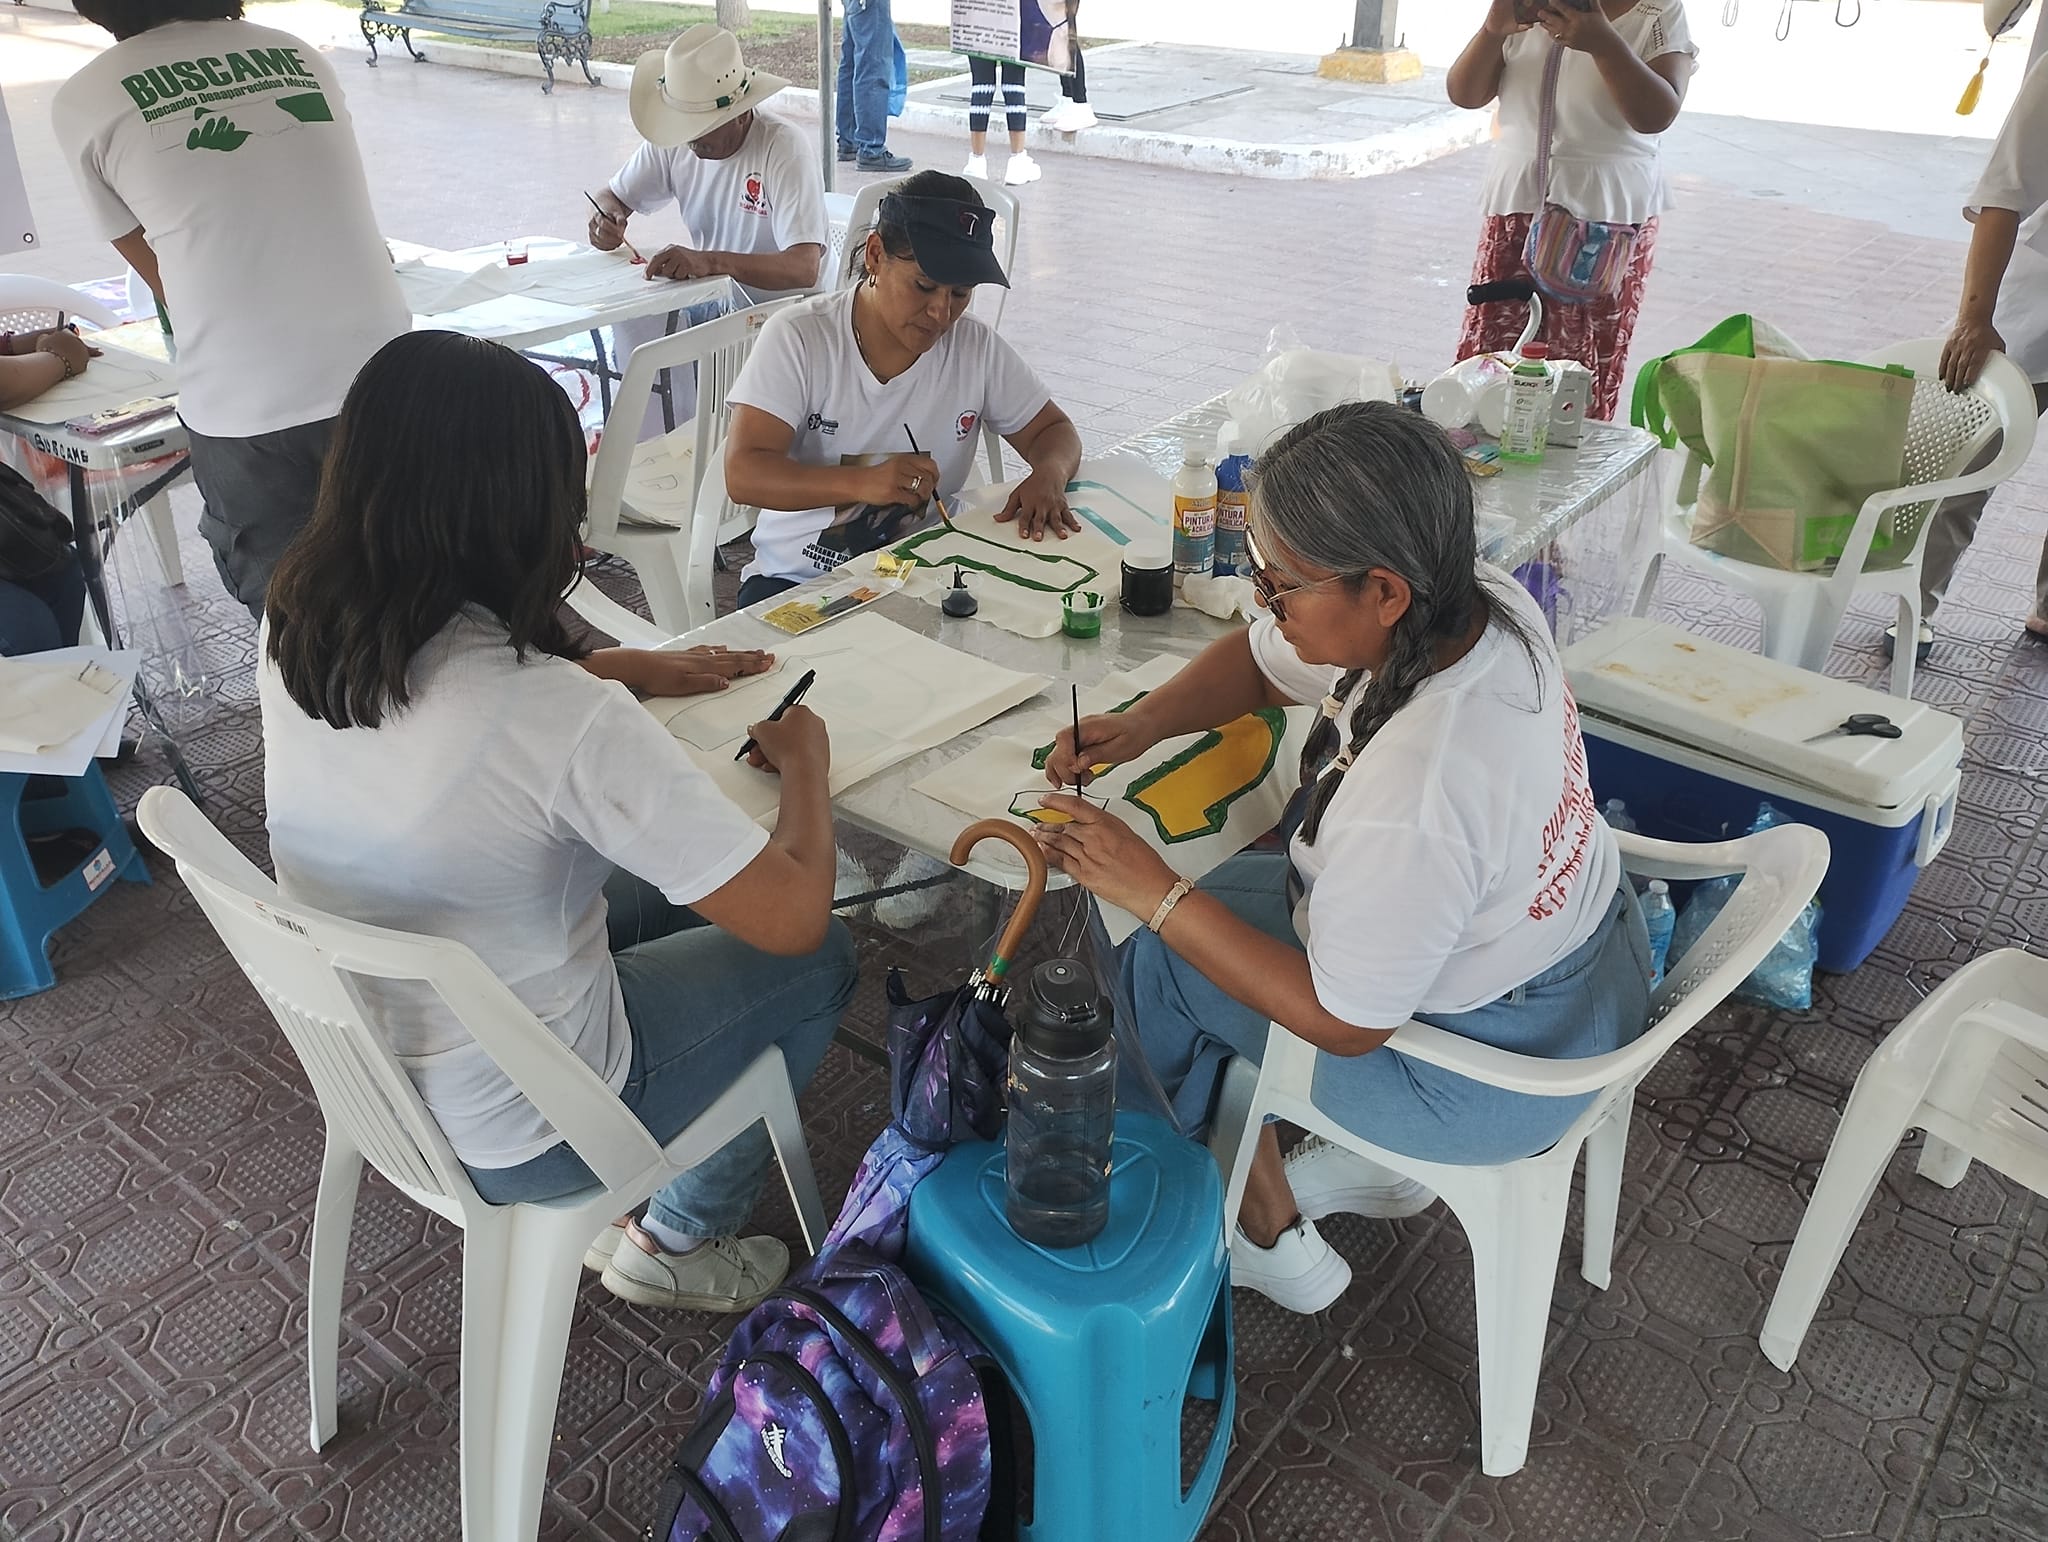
<point x="643" y="495"/>
<point x="27" y="301"/>
<point x="1945" y="433"/>
<point x="520" y="1262"/>
<point x="1969" y="1065"/>
<point x="1514" y="1212"/>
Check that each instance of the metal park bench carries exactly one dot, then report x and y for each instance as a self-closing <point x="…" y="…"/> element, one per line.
<point x="560" y="28"/>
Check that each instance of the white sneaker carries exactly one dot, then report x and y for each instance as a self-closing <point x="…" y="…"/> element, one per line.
<point x="1299" y="1271"/>
<point x="1074" y="117"/>
<point x="977" y="166"/>
<point x="598" y="1256"/>
<point x="1022" y="169"/>
<point x="1328" y="1180"/>
<point x="724" y="1274"/>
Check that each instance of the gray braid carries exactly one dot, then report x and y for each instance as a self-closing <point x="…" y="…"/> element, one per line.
<point x="1366" y="486"/>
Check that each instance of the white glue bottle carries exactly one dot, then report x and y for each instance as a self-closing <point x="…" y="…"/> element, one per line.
<point x="1194" y="515"/>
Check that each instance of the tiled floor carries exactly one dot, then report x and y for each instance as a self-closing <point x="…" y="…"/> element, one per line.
<point x="158" y="1148"/>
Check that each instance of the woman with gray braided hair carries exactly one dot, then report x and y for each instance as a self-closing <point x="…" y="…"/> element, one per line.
<point x="1449" y="866"/>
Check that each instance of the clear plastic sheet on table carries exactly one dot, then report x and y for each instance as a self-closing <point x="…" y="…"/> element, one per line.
<point x="1603" y="497"/>
<point x="150" y="614"/>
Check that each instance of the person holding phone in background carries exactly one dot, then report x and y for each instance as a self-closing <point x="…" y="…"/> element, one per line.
<point x="1621" y="80"/>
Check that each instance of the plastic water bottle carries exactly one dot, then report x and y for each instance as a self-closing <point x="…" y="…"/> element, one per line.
<point x="1526" y="428"/>
<point x="1194" y="515"/>
<point x="1062" y="1108"/>
<point x="1616" y="813"/>
<point x="1661" y="918"/>
<point x="1233" y="511"/>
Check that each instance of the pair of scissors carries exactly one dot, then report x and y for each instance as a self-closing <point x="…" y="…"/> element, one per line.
<point x="1874" y="725"/>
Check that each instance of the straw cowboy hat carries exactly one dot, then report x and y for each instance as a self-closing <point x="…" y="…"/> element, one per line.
<point x="697" y="84"/>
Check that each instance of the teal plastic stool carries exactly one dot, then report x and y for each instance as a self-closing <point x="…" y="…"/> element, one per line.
<point x="33" y="912"/>
<point x="1102" y="1343"/>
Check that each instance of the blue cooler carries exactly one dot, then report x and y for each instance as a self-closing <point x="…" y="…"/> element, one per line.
<point x="1692" y="735"/>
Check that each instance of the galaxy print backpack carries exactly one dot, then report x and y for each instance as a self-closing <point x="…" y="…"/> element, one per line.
<point x="848" y="1408"/>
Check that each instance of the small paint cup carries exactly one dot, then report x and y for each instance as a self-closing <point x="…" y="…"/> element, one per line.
<point x="1081" y="614"/>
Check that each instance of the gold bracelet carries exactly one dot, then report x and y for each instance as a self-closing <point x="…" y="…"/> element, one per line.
<point x="1180" y="891"/>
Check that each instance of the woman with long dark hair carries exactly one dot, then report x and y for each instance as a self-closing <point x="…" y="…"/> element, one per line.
<point x="438" y="758"/>
<point x="1450" y="865"/>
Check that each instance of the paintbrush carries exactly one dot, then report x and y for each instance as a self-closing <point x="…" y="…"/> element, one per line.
<point x="937" y="502"/>
<point x="1077" y="740"/>
<point x="612" y="219"/>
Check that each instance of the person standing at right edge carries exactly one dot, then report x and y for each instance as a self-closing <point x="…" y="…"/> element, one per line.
<point x="1620" y="82"/>
<point x="218" y="158"/>
<point x="2004" y="309"/>
<point x="867" y="64"/>
<point x="1073" y="112"/>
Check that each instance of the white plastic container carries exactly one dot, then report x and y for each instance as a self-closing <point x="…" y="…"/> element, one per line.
<point x="1194" y="515"/>
<point x="1693" y="734"/>
<point x="1570" y="401"/>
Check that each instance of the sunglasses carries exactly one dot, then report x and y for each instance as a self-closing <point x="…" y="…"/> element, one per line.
<point x="1264" y="589"/>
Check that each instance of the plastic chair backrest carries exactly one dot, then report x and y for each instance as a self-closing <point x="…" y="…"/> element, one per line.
<point x="1781" y="870"/>
<point x="1946" y="429"/>
<point x="717" y="349"/>
<point x="305" y="964"/>
<point x="989" y="299"/>
<point x="27" y="300"/>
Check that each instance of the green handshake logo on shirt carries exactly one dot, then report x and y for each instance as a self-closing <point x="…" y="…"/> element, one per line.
<point x="214" y="133"/>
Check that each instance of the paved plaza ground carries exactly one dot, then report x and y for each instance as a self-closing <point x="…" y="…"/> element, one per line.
<point x="159" y="1147"/>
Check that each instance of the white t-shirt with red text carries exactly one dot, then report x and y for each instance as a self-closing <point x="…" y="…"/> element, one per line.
<point x="767" y="196"/>
<point x="1462" y="855"/>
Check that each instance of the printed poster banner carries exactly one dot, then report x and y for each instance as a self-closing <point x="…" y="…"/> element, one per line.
<point x="1037" y="32"/>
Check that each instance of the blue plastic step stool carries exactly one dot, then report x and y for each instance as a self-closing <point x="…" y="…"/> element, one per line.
<point x="1102" y="1343"/>
<point x="32" y="911"/>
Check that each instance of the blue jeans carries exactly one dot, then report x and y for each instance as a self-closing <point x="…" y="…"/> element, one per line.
<point x="867" y="64"/>
<point x="42" y="613"/>
<point x="701" y="1005"/>
<point x="1594" y="1000"/>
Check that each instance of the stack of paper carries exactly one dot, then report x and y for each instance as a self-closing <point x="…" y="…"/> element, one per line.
<point x="58" y="709"/>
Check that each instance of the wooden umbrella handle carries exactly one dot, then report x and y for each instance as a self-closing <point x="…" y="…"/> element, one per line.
<point x="1034" y="884"/>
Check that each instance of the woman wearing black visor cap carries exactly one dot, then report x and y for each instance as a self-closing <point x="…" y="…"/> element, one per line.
<point x="858" y="408"/>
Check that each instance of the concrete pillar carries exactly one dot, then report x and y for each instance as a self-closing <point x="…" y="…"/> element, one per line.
<point x="1374" y="55"/>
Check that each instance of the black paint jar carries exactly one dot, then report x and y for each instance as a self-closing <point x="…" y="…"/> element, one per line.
<point x="1148" y="578"/>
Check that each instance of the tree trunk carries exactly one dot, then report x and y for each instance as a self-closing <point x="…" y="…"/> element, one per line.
<point x="733" y="15"/>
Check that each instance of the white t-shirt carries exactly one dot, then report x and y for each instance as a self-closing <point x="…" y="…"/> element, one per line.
<point x="807" y="370"/>
<point x="1462" y="855"/>
<point x="491" y="811"/>
<point x="1600" y="168"/>
<point x="230" y="146"/>
<point x="2016" y="178"/>
<point x="765" y="197"/>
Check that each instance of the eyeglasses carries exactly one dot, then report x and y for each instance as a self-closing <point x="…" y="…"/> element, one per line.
<point x="1264" y="589"/>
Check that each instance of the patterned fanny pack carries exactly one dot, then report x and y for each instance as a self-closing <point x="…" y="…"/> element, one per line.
<point x="1573" y="261"/>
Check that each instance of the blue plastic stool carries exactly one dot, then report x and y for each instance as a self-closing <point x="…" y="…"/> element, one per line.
<point x="32" y="912"/>
<point x="1102" y="1343"/>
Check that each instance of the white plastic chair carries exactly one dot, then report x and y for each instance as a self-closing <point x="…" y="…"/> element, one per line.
<point x="520" y="1263"/>
<point x="643" y="494"/>
<point x="1514" y="1213"/>
<point x="1969" y="1066"/>
<point x="1946" y="431"/>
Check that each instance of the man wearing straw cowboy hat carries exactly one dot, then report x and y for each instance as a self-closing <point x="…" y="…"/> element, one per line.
<point x="746" y="184"/>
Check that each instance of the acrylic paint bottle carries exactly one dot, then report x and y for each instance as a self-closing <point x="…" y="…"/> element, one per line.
<point x="1194" y="515"/>
<point x="1233" y="508"/>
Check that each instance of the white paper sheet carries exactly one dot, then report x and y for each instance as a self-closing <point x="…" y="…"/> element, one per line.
<point x="101" y="735"/>
<point x="507" y="315"/>
<point x="113" y="379"/>
<point x="1196" y="806"/>
<point x="1018" y="583"/>
<point x="884" y="692"/>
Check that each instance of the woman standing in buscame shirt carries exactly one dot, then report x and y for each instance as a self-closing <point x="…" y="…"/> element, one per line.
<point x="1621" y="80"/>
